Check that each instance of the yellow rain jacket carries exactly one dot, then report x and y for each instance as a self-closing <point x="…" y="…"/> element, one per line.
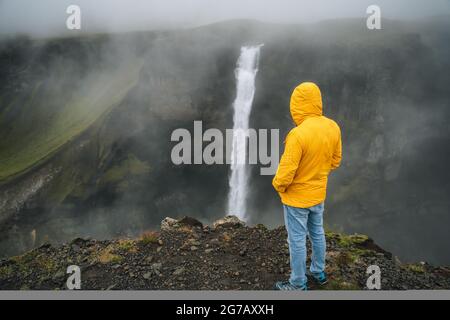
<point x="312" y="149"/>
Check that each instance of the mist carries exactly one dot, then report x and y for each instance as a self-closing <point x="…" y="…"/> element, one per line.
<point x="112" y="175"/>
<point x="47" y="17"/>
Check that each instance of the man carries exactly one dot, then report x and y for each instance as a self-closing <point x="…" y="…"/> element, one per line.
<point x="312" y="149"/>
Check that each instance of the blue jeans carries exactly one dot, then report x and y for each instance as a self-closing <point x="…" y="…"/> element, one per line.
<point x="300" y="222"/>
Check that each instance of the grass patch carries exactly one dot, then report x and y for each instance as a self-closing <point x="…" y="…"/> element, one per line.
<point x="6" y="271"/>
<point x="47" y="121"/>
<point x="31" y="261"/>
<point x="23" y="261"/>
<point x="127" y="245"/>
<point x="46" y="264"/>
<point x="149" y="237"/>
<point x="339" y="284"/>
<point x="62" y="187"/>
<point x="362" y="252"/>
<point x="346" y="258"/>
<point x="107" y="256"/>
<point x="417" y="268"/>
<point x="348" y="241"/>
<point x="131" y="166"/>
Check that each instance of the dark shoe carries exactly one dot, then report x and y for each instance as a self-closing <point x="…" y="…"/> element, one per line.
<point x="320" y="278"/>
<point x="287" y="286"/>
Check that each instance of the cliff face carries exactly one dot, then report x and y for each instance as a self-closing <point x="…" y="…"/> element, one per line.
<point x="185" y="254"/>
<point x="85" y="126"/>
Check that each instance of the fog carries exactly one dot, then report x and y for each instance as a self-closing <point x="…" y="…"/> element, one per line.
<point x="117" y="178"/>
<point x="47" y="17"/>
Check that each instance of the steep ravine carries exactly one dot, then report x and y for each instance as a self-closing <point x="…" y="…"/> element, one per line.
<point x="113" y="177"/>
<point x="185" y="254"/>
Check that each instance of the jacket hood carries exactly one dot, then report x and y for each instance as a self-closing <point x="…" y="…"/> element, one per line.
<point x="306" y="101"/>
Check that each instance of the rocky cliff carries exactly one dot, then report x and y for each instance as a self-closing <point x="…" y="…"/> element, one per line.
<point x="85" y="127"/>
<point x="185" y="254"/>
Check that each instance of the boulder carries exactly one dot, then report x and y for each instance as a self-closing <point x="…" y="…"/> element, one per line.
<point x="191" y="222"/>
<point x="229" y="222"/>
<point x="168" y="223"/>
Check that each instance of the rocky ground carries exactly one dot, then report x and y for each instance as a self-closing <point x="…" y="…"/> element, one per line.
<point x="185" y="254"/>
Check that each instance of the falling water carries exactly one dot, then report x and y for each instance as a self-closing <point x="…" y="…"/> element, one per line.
<point x="247" y="67"/>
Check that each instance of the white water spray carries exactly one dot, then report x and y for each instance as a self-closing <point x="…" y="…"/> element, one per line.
<point x="247" y="68"/>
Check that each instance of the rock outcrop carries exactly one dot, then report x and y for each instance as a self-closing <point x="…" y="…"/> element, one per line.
<point x="185" y="254"/>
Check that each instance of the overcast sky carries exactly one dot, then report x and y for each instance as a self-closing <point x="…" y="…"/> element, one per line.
<point x="47" y="17"/>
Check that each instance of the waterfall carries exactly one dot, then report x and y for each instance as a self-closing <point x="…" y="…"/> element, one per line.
<point x="247" y="67"/>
